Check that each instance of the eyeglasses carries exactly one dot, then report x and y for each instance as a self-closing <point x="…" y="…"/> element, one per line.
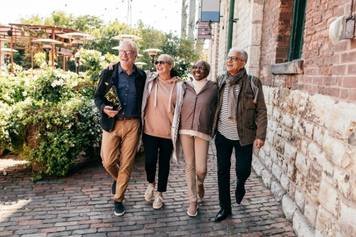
<point x="233" y="58"/>
<point x="199" y="68"/>
<point x="128" y="52"/>
<point x="160" y="62"/>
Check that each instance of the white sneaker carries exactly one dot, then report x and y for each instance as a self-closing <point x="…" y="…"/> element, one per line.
<point x="192" y="210"/>
<point x="149" y="194"/>
<point x="158" y="202"/>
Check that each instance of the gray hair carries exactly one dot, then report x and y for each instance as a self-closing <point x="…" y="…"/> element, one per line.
<point x="241" y="52"/>
<point x="167" y="58"/>
<point x="130" y="43"/>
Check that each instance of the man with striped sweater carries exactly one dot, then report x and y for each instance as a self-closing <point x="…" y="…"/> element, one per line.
<point x="241" y="121"/>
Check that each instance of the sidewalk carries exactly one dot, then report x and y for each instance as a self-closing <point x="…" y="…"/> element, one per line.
<point x="80" y="205"/>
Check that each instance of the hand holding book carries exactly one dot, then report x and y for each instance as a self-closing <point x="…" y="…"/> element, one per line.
<point x="113" y="99"/>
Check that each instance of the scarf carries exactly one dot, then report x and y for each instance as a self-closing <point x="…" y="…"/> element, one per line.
<point x="233" y="92"/>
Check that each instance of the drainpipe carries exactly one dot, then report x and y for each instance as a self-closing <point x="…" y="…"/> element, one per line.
<point x="231" y="24"/>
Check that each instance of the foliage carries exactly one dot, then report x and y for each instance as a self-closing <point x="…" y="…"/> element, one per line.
<point x="39" y="59"/>
<point x="50" y="119"/>
<point x="183" y="50"/>
<point x="5" y="111"/>
<point x="103" y="37"/>
<point x="47" y="115"/>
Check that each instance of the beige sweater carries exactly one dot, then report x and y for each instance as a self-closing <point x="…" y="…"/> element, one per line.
<point x="160" y="108"/>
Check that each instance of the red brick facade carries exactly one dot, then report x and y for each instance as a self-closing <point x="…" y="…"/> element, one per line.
<point x="328" y="69"/>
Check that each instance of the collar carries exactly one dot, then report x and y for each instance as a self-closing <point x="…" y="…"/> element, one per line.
<point x="121" y="70"/>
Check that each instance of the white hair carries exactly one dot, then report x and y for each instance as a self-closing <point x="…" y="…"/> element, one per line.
<point x="130" y="43"/>
<point x="241" y="52"/>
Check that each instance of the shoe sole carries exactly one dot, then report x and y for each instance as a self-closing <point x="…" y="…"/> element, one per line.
<point x="149" y="200"/>
<point x="190" y="215"/>
<point x="119" y="214"/>
<point x="157" y="208"/>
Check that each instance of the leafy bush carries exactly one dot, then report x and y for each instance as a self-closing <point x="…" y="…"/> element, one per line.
<point x="5" y="111"/>
<point x="48" y="117"/>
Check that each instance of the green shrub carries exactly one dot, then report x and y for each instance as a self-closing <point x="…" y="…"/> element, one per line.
<point x="48" y="117"/>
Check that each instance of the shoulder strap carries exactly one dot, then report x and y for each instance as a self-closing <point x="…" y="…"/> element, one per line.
<point x="254" y="87"/>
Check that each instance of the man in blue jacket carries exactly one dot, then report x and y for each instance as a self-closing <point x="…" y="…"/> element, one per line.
<point x="118" y="98"/>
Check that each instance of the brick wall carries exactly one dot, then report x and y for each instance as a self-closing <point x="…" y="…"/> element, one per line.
<point x="275" y="35"/>
<point x="329" y="69"/>
<point x="309" y="159"/>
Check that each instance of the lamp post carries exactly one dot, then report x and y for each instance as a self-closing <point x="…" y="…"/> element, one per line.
<point x="140" y="64"/>
<point x="52" y="44"/>
<point x="152" y="52"/>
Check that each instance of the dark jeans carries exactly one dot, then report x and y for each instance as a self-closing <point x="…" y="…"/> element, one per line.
<point x="243" y="156"/>
<point x="161" y="149"/>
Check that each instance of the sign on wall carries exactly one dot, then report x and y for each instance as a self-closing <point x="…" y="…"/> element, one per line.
<point x="210" y="11"/>
<point x="204" y="30"/>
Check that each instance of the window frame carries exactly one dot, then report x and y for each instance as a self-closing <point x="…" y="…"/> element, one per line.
<point x="297" y="30"/>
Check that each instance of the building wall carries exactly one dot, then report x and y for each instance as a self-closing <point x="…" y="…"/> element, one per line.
<point x="329" y="69"/>
<point x="275" y="36"/>
<point x="213" y="52"/>
<point x="241" y="32"/>
<point x="224" y="12"/>
<point x="309" y="159"/>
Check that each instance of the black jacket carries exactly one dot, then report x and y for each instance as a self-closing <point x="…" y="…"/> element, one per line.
<point x="108" y="79"/>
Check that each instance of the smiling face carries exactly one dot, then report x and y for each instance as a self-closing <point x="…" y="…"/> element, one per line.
<point x="234" y="62"/>
<point x="200" y="70"/>
<point x="164" y="65"/>
<point x="127" y="54"/>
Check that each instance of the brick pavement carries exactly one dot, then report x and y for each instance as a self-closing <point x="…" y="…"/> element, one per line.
<point x="80" y="205"/>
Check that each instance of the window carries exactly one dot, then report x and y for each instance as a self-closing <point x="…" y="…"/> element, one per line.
<point x="296" y="39"/>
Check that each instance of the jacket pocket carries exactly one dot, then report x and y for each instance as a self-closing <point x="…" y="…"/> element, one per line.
<point x="250" y="119"/>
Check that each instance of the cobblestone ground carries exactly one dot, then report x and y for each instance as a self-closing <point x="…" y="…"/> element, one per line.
<point x="80" y="205"/>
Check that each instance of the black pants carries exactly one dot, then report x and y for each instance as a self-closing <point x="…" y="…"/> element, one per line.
<point x="161" y="149"/>
<point x="243" y="155"/>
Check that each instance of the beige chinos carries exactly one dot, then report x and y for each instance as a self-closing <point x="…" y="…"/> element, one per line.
<point x="195" y="152"/>
<point x="118" y="150"/>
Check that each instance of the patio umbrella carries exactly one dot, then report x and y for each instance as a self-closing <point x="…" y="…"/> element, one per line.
<point x="126" y="36"/>
<point x="8" y="50"/>
<point x="47" y="41"/>
<point x="76" y="35"/>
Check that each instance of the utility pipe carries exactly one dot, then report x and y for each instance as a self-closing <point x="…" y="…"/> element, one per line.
<point x="230" y="24"/>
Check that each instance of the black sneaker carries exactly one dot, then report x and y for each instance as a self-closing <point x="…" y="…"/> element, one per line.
<point x="113" y="187"/>
<point x="119" y="209"/>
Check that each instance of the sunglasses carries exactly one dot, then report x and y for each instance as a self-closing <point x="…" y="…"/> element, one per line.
<point x="160" y="62"/>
